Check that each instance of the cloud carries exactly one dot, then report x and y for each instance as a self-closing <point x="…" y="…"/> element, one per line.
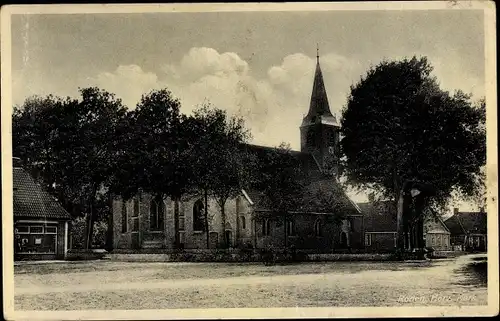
<point x="273" y="105"/>
<point x="128" y="82"/>
<point x="199" y="62"/>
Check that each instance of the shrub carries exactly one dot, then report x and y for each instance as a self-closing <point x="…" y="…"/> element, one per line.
<point x="78" y="233"/>
<point x="268" y="256"/>
<point x="246" y="252"/>
<point x="300" y="256"/>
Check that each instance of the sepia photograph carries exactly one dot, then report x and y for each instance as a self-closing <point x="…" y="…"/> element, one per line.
<point x="249" y="160"/>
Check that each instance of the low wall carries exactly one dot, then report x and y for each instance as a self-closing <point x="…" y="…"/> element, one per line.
<point x="447" y="254"/>
<point x="233" y="257"/>
<point x="36" y="257"/>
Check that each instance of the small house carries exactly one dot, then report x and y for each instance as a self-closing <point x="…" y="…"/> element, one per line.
<point x="41" y="224"/>
<point x="380" y="226"/>
<point x="468" y="230"/>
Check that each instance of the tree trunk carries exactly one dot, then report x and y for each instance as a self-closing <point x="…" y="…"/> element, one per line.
<point x="285" y="229"/>
<point x="90" y="220"/>
<point x="90" y="229"/>
<point x="400" y="226"/>
<point x="109" y="234"/>
<point x="176" y="222"/>
<point x="207" y="230"/>
<point x="254" y="232"/>
<point x="223" y="222"/>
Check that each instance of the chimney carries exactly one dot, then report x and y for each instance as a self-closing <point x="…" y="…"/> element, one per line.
<point x="481" y="209"/>
<point x="16" y="162"/>
<point x="455" y="210"/>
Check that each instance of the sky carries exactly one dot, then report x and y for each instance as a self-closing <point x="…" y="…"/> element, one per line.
<point x="257" y="65"/>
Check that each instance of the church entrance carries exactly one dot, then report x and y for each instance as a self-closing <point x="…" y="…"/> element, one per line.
<point x="228" y="238"/>
<point x="343" y="240"/>
<point x="213" y="239"/>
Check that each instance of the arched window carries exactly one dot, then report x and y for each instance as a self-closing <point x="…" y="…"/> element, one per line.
<point x="242" y="222"/>
<point x="198" y="212"/>
<point x="266" y="227"/>
<point x="124" y="217"/>
<point x="136" y="206"/>
<point x="290" y="228"/>
<point x="157" y="214"/>
<point x="317" y="227"/>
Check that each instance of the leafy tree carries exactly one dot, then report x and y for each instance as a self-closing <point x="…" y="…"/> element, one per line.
<point x="327" y="196"/>
<point x="281" y="180"/>
<point x="70" y="143"/>
<point x="35" y="134"/>
<point x="401" y="129"/>
<point x="88" y="146"/>
<point x="154" y="153"/>
<point x="219" y="164"/>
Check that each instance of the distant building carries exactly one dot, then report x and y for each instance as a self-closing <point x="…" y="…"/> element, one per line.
<point x="145" y="223"/>
<point x="380" y="228"/>
<point x="468" y="230"/>
<point x="41" y="224"/>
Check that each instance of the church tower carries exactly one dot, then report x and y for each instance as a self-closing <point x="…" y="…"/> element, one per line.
<point x="319" y="132"/>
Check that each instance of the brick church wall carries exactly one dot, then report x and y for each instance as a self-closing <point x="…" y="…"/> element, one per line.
<point x="304" y="236"/>
<point x="236" y="209"/>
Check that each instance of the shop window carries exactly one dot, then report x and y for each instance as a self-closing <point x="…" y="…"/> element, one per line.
<point x="37" y="239"/>
<point x="36" y="229"/>
<point x="23" y="229"/>
<point x="50" y="230"/>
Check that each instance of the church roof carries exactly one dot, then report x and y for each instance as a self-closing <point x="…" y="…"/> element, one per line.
<point x="314" y="181"/>
<point x="319" y="108"/>
<point x="308" y="200"/>
<point x="305" y="159"/>
<point x="30" y="200"/>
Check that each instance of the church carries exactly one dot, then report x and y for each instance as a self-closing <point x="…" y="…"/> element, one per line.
<point x="146" y="224"/>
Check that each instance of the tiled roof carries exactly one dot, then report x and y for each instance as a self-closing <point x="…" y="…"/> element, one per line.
<point x="32" y="201"/>
<point x="379" y="216"/>
<point x="306" y="160"/>
<point x="473" y="222"/>
<point x="316" y="181"/>
<point x="308" y="201"/>
<point x="454" y="225"/>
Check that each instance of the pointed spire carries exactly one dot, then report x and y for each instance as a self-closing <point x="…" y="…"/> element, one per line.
<point x="317" y="53"/>
<point x="319" y="105"/>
